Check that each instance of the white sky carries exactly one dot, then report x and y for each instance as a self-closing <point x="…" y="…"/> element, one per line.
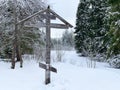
<point x="66" y="9"/>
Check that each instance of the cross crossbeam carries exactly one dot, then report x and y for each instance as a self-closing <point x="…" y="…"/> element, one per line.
<point x="44" y="66"/>
<point x="52" y="25"/>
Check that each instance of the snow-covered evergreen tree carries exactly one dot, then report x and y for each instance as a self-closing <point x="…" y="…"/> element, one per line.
<point x="6" y="25"/>
<point x="91" y="26"/>
<point x="81" y="29"/>
<point x="114" y="33"/>
<point x="27" y="36"/>
<point x="98" y="24"/>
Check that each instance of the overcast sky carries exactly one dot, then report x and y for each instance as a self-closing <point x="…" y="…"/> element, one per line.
<point x="66" y="9"/>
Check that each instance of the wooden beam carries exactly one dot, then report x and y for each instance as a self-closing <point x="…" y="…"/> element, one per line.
<point x="52" y="25"/>
<point x="45" y="16"/>
<point x="41" y="65"/>
<point x="29" y="17"/>
<point x="53" y="69"/>
<point x="59" y="26"/>
<point x="59" y="17"/>
<point x="48" y="49"/>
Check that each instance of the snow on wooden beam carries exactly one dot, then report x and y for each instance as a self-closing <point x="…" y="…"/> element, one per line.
<point x="52" y="25"/>
<point x="48" y="16"/>
<point x="29" y="17"/>
<point x="59" y="17"/>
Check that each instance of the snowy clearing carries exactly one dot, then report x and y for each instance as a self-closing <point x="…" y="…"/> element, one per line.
<point x="73" y="74"/>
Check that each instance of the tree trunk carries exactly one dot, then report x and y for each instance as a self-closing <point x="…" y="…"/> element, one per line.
<point x="18" y="52"/>
<point x="20" y="57"/>
<point x="13" y="58"/>
<point x="17" y="39"/>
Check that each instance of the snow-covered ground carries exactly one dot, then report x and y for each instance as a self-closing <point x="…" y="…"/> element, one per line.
<point x="73" y="74"/>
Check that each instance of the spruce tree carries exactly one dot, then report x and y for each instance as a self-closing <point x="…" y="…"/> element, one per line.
<point x="98" y="25"/>
<point x="114" y="33"/>
<point x="81" y="29"/>
<point x="91" y="26"/>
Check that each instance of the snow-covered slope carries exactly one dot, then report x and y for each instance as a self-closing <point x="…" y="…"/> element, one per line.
<point x="70" y="76"/>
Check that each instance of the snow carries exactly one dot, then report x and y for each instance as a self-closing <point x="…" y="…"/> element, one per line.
<point x="72" y="74"/>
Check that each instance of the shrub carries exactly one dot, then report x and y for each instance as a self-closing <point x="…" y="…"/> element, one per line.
<point x="115" y="62"/>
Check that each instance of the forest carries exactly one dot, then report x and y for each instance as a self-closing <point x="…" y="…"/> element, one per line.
<point x="97" y="31"/>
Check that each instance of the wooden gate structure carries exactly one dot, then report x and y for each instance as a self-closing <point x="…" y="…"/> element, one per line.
<point x="48" y="15"/>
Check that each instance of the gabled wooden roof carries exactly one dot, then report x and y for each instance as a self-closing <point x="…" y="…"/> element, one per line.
<point x="60" y="18"/>
<point x="50" y="11"/>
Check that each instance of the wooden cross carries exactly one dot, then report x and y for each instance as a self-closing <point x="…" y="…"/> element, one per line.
<point x="49" y="25"/>
<point x="48" y="15"/>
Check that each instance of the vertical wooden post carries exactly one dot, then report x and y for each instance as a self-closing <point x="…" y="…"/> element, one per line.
<point x="47" y="73"/>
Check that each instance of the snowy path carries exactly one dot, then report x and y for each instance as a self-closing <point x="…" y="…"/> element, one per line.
<point x="71" y="76"/>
